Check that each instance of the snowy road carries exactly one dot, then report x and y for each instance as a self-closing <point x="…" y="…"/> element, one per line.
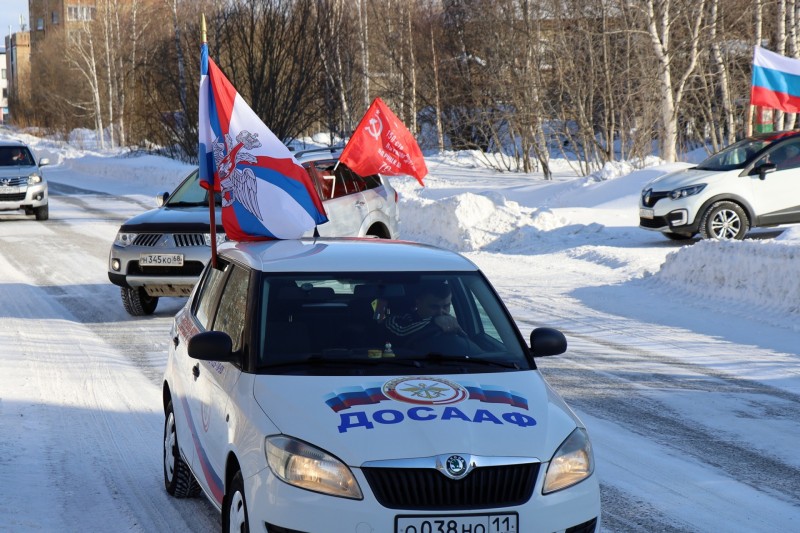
<point x="693" y="428"/>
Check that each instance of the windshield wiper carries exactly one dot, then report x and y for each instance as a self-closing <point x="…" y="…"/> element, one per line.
<point x="319" y="360"/>
<point x="436" y="357"/>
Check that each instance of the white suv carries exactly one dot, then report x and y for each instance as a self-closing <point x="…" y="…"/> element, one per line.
<point x="22" y="184"/>
<point x="752" y="183"/>
<point x="161" y="252"/>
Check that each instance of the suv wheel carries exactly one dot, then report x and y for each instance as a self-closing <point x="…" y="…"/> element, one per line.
<point x="42" y="213"/>
<point x="137" y="302"/>
<point x="724" y="220"/>
<point x="234" y="507"/>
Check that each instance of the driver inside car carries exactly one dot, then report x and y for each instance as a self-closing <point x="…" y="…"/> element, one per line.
<point x="429" y="318"/>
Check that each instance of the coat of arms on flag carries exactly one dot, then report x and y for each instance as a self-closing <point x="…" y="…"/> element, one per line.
<point x="266" y="193"/>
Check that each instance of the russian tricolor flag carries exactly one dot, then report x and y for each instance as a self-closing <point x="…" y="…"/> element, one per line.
<point x="776" y="81"/>
<point x="266" y="193"/>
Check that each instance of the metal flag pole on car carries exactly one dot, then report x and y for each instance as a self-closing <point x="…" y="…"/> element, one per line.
<point x="211" y="190"/>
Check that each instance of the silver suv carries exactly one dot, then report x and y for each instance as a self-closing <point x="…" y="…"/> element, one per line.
<point x="163" y="251"/>
<point x="22" y="185"/>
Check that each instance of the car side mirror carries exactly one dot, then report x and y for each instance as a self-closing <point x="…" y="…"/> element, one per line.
<point x="212" y="346"/>
<point x="764" y="169"/>
<point x="161" y="199"/>
<point x="44" y="161"/>
<point x="547" y="341"/>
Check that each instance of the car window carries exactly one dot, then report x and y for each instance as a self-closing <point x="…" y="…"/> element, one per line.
<point x="349" y="318"/>
<point x="230" y="316"/>
<point x="784" y="156"/>
<point x="190" y="193"/>
<point x="737" y="155"/>
<point x="15" y="156"/>
<point x="208" y="295"/>
<point x="335" y="181"/>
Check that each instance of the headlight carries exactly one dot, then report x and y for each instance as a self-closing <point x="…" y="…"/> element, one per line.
<point x="221" y="237"/>
<point x="683" y="192"/>
<point x="307" y="467"/>
<point x="572" y="463"/>
<point x="125" y="239"/>
<point x="33" y="179"/>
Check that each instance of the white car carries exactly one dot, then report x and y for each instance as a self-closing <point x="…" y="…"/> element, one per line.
<point x="22" y="184"/>
<point x="752" y="183"/>
<point x="294" y="406"/>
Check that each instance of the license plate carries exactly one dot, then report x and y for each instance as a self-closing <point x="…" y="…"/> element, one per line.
<point x="478" y="523"/>
<point x="161" y="260"/>
<point x="645" y="213"/>
<point x="10" y="190"/>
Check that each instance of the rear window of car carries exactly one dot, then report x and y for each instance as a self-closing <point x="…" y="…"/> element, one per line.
<point x="335" y="181"/>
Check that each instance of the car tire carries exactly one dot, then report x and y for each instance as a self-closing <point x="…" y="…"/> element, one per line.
<point x="178" y="479"/>
<point x="234" y="507"/>
<point x="42" y="213"/>
<point x="724" y="220"/>
<point x="137" y="302"/>
<point x="678" y="236"/>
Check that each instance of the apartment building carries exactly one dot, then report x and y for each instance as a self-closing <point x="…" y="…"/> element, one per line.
<point x="17" y="72"/>
<point x="47" y="16"/>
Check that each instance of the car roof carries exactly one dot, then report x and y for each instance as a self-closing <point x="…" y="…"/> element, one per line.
<point x="344" y="255"/>
<point x="315" y="154"/>
<point x="18" y="144"/>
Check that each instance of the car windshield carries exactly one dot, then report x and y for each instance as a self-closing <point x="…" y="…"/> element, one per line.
<point x="11" y="156"/>
<point x="737" y="155"/>
<point x="383" y="323"/>
<point x="189" y="193"/>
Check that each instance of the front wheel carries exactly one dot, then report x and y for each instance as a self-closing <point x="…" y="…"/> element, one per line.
<point x="42" y="213"/>
<point x="178" y="479"/>
<point x="234" y="507"/>
<point x="137" y="302"/>
<point x="724" y="220"/>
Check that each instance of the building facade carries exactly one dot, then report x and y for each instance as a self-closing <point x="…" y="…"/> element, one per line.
<point x="47" y="16"/>
<point x="17" y="67"/>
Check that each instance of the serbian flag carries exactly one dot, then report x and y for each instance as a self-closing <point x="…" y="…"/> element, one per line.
<point x="381" y="144"/>
<point x="266" y="193"/>
<point x="776" y="81"/>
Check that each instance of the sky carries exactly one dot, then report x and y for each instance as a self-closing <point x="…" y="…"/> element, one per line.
<point x="10" y="10"/>
<point x="683" y="358"/>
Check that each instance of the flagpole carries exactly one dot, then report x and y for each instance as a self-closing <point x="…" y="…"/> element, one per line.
<point x="212" y="212"/>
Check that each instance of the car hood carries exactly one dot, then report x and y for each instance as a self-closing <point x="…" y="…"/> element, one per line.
<point x="169" y="219"/>
<point x="18" y="170"/>
<point x="689" y="176"/>
<point x="374" y="418"/>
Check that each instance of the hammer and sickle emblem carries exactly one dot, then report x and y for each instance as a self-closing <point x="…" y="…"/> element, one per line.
<point x="375" y="127"/>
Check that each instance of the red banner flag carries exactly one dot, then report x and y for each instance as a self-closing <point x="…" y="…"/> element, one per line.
<point x="381" y="144"/>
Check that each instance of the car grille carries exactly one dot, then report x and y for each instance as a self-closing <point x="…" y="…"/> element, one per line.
<point x="654" y="223"/>
<point x="18" y="197"/>
<point x="655" y="196"/>
<point x="428" y="489"/>
<point x="181" y="240"/>
<point x="18" y="181"/>
<point x="189" y="268"/>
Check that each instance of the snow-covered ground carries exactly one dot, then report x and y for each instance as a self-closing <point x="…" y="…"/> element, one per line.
<point x="684" y="359"/>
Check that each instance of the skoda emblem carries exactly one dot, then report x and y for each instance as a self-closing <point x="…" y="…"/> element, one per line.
<point x="454" y="466"/>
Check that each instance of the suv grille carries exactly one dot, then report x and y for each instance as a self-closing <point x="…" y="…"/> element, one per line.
<point x="655" y="196"/>
<point x="18" y="181"/>
<point x="428" y="489"/>
<point x="181" y="239"/>
<point x="17" y="197"/>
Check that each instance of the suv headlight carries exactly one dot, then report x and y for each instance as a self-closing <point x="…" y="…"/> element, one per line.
<point x="34" y="178"/>
<point x="308" y="467"/>
<point x="572" y="463"/>
<point x="683" y="192"/>
<point x="125" y="239"/>
<point x="221" y="237"/>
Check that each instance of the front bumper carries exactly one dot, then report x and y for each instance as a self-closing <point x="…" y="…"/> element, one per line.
<point x="673" y="216"/>
<point x="273" y="504"/>
<point x="25" y="197"/>
<point x="124" y="269"/>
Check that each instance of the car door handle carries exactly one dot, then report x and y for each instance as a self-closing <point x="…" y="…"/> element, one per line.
<point x="176" y="340"/>
<point x="196" y="371"/>
<point x="359" y="203"/>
